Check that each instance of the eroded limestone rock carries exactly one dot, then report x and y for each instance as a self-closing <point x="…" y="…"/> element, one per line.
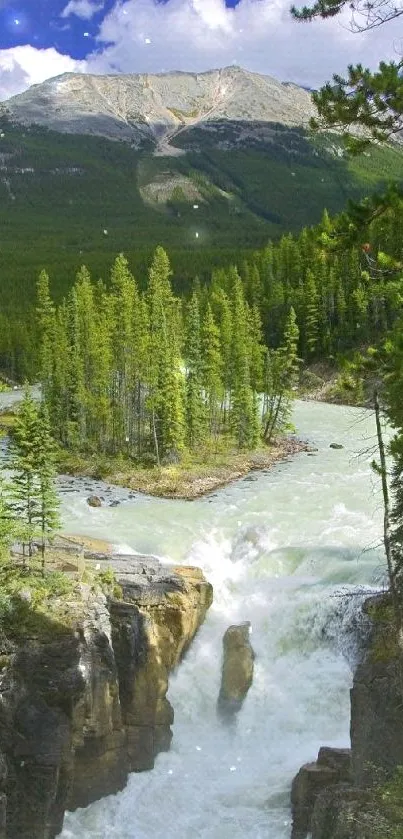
<point x="376" y="699"/>
<point x="330" y="800"/>
<point x="237" y="670"/>
<point x="84" y="705"/>
<point x="343" y="812"/>
<point x="333" y="766"/>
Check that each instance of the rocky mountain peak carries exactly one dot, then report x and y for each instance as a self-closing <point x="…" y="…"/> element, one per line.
<point x="154" y="108"/>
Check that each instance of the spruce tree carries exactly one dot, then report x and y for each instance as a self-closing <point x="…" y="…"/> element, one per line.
<point x="76" y="432"/>
<point x="311" y="315"/>
<point x="59" y="405"/>
<point x="211" y="372"/>
<point x="222" y="315"/>
<point x="22" y="460"/>
<point x="281" y="378"/>
<point x="7" y="520"/>
<point x="195" y="407"/>
<point x="125" y="300"/>
<point x="49" y="503"/>
<point x="165" y="398"/>
<point x="45" y="312"/>
<point x="243" y="403"/>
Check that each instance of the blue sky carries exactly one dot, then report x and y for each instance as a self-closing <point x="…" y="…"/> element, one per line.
<point x="42" y="24"/>
<point x="44" y="38"/>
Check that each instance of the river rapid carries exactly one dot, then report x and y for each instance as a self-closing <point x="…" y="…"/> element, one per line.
<point x="287" y="549"/>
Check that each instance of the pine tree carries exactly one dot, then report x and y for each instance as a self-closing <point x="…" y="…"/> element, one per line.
<point x="195" y="407"/>
<point x="281" y="377"/>
<point x="222" y="315"/>
<point x="102" y="378"/>
<point x="76" y="432"/>
<point x="49" y="503"/>
<point x="59" y="405"/>
<point x="256" y="349"/>
<point x="46" y="324"/>
<point x="211" y="370"/>
<point x="23" y="454"/>
<point x="7" y="520"/>
<point x="125" y="301"/>
<point x="311" y="315"/>
<point x="165" y="380"/>
<point x="170" y="405"/>
<point x="243" y="404"/>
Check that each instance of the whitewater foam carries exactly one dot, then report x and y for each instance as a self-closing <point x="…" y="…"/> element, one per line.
<point x="286" y="552"/>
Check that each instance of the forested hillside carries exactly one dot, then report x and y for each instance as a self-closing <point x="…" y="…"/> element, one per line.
<point x="148" y="373"/>
<point x="69" y="200"/>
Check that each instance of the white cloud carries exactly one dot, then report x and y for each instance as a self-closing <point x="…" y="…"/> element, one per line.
<point x="257" y="34"/>
<point x="85" y="9"/>
<point x="196" y="35"/>
<point x="23" y="66"/>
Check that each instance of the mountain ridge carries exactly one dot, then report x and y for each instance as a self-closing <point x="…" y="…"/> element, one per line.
<point x="212" y="167"/>
<point x="148" y="109"/>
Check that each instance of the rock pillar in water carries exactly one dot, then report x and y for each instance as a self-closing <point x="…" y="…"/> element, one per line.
<point x="237" y="670"/>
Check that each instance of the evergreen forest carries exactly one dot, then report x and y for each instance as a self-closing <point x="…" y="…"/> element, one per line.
<point x="134" y="369"/>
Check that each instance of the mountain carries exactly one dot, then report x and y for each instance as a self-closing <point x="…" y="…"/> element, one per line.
<point x="209" y="165"/>
<point x="150" y="110"/>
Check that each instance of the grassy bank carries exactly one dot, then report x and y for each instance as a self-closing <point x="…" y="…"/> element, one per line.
<point x="191" y="478"/>
<point x="46" y="603"/>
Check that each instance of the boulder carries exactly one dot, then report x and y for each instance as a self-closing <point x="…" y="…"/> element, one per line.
<point x="333" y="766"/>
<point x="94" y="501"/>
<point x="336" y="446"/>
<point x="237" y="670"/>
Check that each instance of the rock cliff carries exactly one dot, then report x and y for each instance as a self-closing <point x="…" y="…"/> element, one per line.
<point x="83" y="702"/>
<point x="364" y="801"/>
<point x="154" y="109"/>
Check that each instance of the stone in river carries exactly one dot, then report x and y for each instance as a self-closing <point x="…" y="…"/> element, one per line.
<point x="94" y="501"/>
<point x="237" y="670"/>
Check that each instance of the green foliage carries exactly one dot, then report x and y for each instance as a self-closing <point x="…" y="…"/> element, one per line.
<point x="373" y="100"/>
<point x="109" y="585"/>
<point x="196" y="415"/>
<point x="107" y="577"/>
<point x="81" y="186"/>
<point x="144" y="377"/>
<point x="29" y="505"/>
<point x="30" y="602"/>
<point x="349" y="385"/>
<point x="281" y="377"/>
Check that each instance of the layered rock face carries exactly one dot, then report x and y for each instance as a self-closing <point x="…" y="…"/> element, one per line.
<point x="80" y="709"/>
<point x="377" y="700"/>
<point x="147" y="108"/>
<point x="347" y="803"/>
<point x="332" y="766"/>
<point x="237" y="670"/>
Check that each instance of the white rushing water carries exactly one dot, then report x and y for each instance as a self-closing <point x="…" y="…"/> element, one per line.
<point x="279" y="548"/>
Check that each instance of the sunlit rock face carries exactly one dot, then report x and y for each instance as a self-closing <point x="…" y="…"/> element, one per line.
<point x="342" y="795"/>
<point x="154" y="109"/>
<point x="237" y="670"/>
<point x="82" y="708"/>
